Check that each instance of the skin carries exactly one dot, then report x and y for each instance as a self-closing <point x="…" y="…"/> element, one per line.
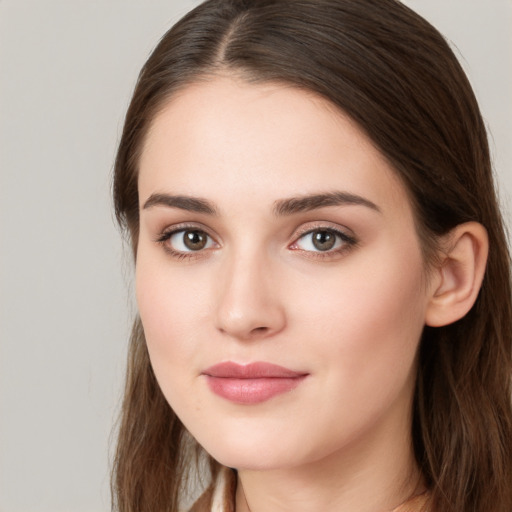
<point x="350" y="318"/>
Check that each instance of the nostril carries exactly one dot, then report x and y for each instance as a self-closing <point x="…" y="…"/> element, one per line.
<point x="260" y="329"/>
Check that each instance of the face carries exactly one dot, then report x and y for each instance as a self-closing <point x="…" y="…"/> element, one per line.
<point x="279" y="277"/>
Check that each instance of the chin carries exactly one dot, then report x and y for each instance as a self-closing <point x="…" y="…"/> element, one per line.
<point x="256" y="460"/>
<point x="247" y="450"/>
<point x="251" y="451"/>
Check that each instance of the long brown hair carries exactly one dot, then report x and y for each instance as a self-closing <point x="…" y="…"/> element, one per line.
<point x="396" y="76"/>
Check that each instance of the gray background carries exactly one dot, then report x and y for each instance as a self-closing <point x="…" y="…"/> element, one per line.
<point x="67" y="69"/>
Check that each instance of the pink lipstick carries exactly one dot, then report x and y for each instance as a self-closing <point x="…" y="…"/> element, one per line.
<point x="252" y="383"/>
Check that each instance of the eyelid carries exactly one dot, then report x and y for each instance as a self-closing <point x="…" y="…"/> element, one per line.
<point x="183" y="226"/>
<point x="165" y="234"/>
<point x="347" y="236"/>
<point x="317" y="225"/>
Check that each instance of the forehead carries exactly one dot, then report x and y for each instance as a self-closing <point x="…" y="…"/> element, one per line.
<point x="226" y="137"/>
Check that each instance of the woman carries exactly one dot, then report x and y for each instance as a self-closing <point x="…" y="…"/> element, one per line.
<point x="321" y="270"/>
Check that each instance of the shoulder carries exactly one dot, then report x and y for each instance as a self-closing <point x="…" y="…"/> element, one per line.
<point x="220" y="495"/>
<point x="417" y="504"/>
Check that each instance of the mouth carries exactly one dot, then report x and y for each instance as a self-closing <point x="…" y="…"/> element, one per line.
<point x="252" y="383"/>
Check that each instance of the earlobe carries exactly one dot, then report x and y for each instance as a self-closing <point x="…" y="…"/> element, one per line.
<point x="459" y="275"/>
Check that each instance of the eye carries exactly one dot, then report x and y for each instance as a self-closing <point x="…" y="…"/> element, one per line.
<point x="323" y="240"/>
<point x="188" y="240"/>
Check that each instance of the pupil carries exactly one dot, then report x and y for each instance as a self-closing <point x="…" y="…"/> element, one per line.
<point x="324" y="240"/>
<point x="194" y="240"/>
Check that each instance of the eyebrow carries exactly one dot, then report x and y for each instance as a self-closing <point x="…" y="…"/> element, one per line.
<point x="190" y="204"/>
<point x="282" y="207"/>
<point x="306" y="203"/>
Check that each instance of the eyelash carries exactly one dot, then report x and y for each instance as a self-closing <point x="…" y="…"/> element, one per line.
<point x="347" y="242"/>
<point x="167" y="234"/>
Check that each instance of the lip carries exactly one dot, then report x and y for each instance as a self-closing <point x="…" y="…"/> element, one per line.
<point x="251" y="383"/>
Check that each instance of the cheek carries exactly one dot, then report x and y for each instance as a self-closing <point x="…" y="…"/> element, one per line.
<point x="367" y="317"/>
<point x="360" y="331"/>
<point x="171" y="309"/>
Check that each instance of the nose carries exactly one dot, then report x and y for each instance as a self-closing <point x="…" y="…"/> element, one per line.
<point x="248" y="305"/>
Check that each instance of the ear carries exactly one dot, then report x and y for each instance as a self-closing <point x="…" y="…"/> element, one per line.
<point x="457" y="280"/>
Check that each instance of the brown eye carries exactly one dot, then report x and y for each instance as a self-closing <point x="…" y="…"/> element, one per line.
<point x="189" y="240"/>
<point x="323" y="240"/>
<point x="195" y="240"/>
